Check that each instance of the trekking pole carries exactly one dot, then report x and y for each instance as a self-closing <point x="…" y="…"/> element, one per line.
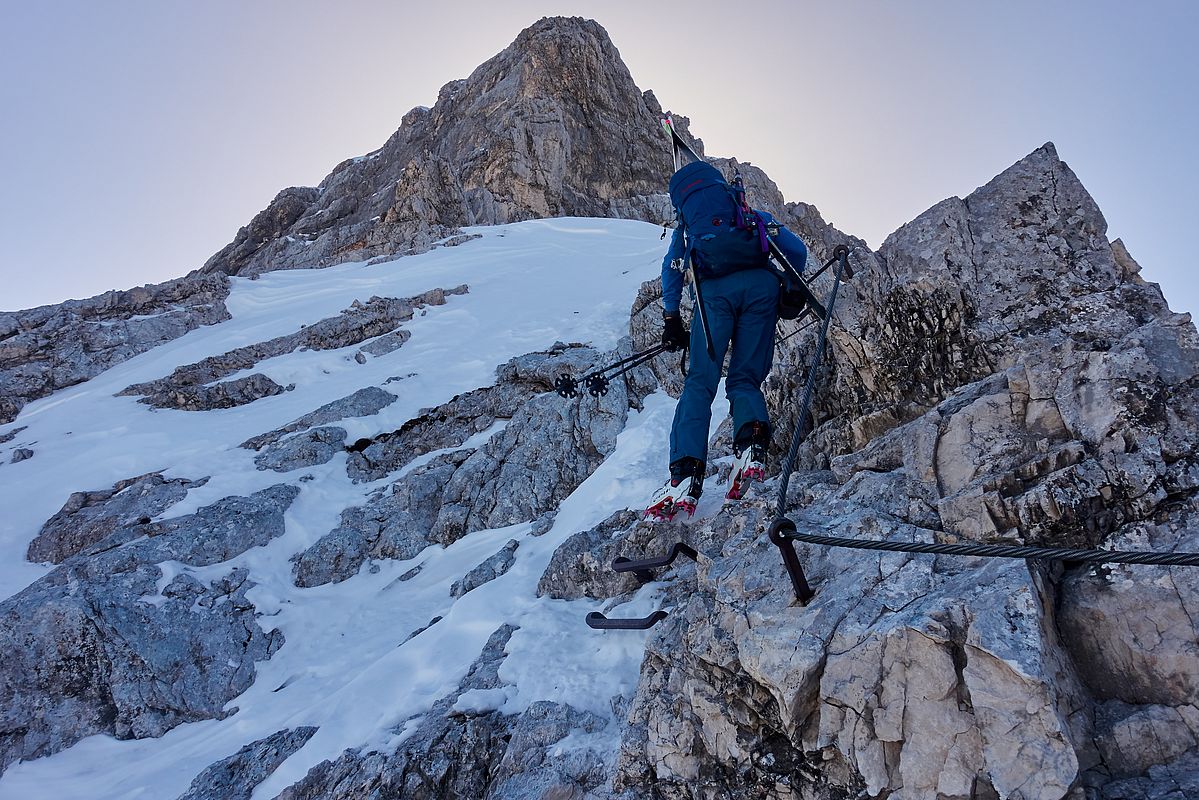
<point x="598" y="380"/>
<point x="800" y="329"/>
<point x="700" y="314"/>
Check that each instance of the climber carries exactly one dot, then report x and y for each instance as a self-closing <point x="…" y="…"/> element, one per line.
<point x="725" y="242"/>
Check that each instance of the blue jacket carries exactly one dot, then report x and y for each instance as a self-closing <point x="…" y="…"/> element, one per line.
<point x="672" y="279"/>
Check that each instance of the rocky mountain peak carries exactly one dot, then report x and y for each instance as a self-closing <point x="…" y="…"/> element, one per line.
<point x="565" y="57"/>
<point x="552" y="126"/>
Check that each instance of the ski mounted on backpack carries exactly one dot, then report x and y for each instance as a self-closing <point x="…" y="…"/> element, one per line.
<point x="746" y="238"/>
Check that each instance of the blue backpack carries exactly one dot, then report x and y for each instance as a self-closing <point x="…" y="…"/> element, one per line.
<point x="723" y="234"/>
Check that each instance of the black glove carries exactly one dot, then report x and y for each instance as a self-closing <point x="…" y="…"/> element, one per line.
<point x="674" y="335"/>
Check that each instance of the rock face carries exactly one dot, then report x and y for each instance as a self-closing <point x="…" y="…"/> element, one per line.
<point x="546" y="449"/>
<point x="362" y="403"/>
<point x="235" y="777"/>
<point x="465" y="748"/>
<point x="189" y="387"/>
<point x="122" y="639"/>
<point x="51" y="347"/>
<point x="999" y="372"/>
<point x="90" y="517"/>
<point x="451" y="424"/>
<point x="552" y="126"/>
<point x="489" y="570"/>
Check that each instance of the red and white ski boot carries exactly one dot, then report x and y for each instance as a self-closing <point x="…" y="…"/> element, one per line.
<point x="679" y="494"/>
<point x="751" y="460"/>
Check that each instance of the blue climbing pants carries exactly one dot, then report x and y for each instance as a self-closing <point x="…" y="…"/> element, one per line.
<point x="741" y="309"/>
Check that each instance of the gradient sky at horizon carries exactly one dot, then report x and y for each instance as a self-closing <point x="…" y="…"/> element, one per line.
<point x="139" y="135"/>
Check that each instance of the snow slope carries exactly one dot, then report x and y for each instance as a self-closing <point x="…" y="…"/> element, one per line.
<point x="346" y="666"/>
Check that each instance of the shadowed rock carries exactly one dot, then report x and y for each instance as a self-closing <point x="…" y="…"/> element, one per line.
<point x="317" y="446"/>
<point x="49" y="348"/>
<point x="125" y="641"/>
<point x="188" y="389"/>
<point x="235" y="777"/>
<point x="489" y="570"/>
<point x="90" y="517"/>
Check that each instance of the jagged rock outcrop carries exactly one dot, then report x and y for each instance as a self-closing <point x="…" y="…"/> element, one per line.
<point x="307" y="449"/>
<point x="452" y="423"/>
<point x="90" y="517"/>
<point x="491" y="568"/>
<point x="52" y="347"/>
<point x="971" y="287"/>
<point x="999" y="372"/>
<point x="226" y="394"/>
<point x="192" y="388"/>
<point x="463" y="747"/>
<point x="235" y="777"/>
<point x="121" y="639"/>
<point x="362" y="403"/>
<point x="552" y="126"/>
<point x="548" y="447"/>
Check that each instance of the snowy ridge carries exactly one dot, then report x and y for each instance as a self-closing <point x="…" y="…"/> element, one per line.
<point x="348" y="665"/>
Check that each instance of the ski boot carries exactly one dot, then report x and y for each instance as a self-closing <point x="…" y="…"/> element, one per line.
<point x="681" y="492"/>
<point x="750" y="450"/>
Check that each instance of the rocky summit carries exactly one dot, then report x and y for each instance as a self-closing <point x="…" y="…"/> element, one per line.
<point x="335" y="537"/>
<point x="554" y="126"/>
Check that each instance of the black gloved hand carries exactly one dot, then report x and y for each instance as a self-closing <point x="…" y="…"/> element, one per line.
<point x="674" y="335"/>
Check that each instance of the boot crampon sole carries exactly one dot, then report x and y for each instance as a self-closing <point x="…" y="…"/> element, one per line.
<point x="743" y="476"/>
<point x="666" y="509"/>
<point x="672" y="500"/>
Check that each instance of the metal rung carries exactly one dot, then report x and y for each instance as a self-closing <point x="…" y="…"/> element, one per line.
<point x="642" y="568"/>
<point x="598" y="621"/>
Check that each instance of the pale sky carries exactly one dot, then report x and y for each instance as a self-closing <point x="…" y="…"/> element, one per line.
<point x="139" y="135"/>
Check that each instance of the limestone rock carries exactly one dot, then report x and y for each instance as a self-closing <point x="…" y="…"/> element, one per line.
<point x="188" y="387"/>
<point x="530" y="767"/>
<point x="226" y="394"/>
<point x="489" y="570"/>
<point x="970" y="287"/>
<point x="552" y="126"/>
<point x="519" y="475"/>
<point x="393" y="525"/>
<point x="90" y="517"/>
<point x="581" y="566"/>
<point x="451" y="424"/>
<point x="362" y="403"/>
<point x="545" y="452"/>
<point x="235" y="777"/>
<point x="125" y="641"/>
<point x="316" y="446"/>
<point x="1177" y="781"/>
<point x="998" y="372"/>
<point x="52" y="347"/>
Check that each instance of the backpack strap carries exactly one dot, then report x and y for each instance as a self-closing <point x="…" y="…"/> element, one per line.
<point x="747" y="218"/>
